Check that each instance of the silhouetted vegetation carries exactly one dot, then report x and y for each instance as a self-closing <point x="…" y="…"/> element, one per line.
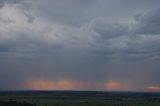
<point x="14" y="103"/>
<point x="78" y="98"/>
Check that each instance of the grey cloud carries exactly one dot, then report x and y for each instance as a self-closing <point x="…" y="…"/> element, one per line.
<point x="51" y="45"/>
<point x="108" y="30"/>
<point x="2" y="2"/>
<point x="12" y="1"/>
<point x="69" y="12"/>
<point x="149" y="23"/>
<point x="3" y="48"/>
<point x="133" y="40"/>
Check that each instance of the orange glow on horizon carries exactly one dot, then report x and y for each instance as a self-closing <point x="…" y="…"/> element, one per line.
<point x="114" y="85"/>
<point x="153" y="88"/>
<point x="50" y="85"/>
<point x="65" y="84"/>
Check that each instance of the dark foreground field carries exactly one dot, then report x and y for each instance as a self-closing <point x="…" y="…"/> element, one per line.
<point x="78" y="98"/>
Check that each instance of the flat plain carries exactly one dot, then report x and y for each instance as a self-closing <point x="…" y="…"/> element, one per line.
<point x="78" y="98"/>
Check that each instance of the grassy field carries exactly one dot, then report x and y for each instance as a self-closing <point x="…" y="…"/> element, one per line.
<point x="70" y="98"/>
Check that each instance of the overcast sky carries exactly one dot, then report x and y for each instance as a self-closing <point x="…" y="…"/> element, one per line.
<point x="111" y="45"/>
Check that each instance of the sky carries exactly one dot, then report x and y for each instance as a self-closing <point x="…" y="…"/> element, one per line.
<point x="109" y="45"/>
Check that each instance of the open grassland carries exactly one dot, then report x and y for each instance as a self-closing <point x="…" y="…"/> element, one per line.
<point x="64" y="98"/>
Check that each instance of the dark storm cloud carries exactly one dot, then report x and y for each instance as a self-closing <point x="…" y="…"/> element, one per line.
<point x="86" y="41"/>
<point x="68" y="12"/>
<point x="140" y="2"/>
<point x="140" y="40"/>
<point x="107" y="30"/>
<point x="149" y="23"/>
<point x="3" y="48"/>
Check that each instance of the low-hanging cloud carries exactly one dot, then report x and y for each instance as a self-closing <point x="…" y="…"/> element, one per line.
<point x="48" y="42"/>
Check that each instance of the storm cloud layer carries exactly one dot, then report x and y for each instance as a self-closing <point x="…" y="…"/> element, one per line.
<point x="79" y="44"/>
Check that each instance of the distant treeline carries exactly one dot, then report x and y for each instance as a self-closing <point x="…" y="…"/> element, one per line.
<point x="74" y="94"/>
<point x="13" y="103"/>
